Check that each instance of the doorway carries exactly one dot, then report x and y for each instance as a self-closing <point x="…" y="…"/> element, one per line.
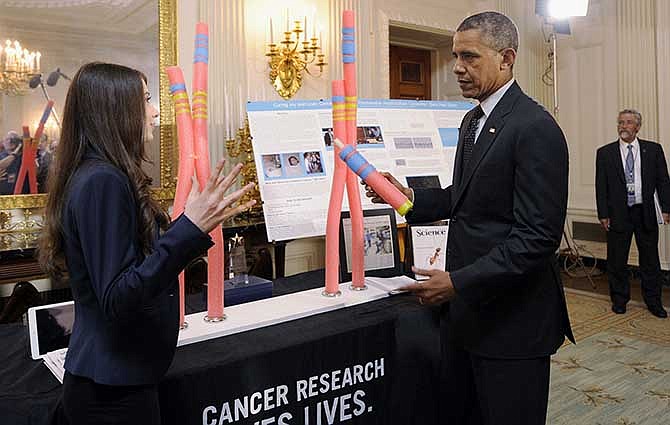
<point x="420" y="63"/>
<point x="410" y="73"/>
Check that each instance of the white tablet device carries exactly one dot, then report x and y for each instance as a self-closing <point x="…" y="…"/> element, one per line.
<point x="50" y="327"/>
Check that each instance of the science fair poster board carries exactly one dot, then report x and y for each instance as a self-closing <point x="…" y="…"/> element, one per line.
<point x="293" y="151"/>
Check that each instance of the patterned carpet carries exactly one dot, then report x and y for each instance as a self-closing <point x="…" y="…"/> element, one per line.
<point x="619" y="371"/>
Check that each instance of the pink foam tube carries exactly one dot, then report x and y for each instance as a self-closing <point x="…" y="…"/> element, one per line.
<point x="29" y="153"/>
<point x="386" y="190"/>
<point x="215" y="256"/>
<point x="199" y="104"/>
<point x="27" y="169"/>
<point x="353" y="191"/>
<point x="25" y="157"/>
<point x="215" y="264"/>
<point x="366" y="171"/>
<point x="186" y="164"/>
<point x="336" y="194"/>
<point x="43" y="120"/>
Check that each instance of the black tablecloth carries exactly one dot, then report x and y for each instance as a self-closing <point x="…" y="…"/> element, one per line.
<point x="210" y="373"/>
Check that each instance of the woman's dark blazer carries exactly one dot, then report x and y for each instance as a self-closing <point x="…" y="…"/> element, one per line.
<point x="126" y="303"/>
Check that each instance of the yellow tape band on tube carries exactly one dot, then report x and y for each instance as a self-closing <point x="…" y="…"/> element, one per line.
<point x="405" y="208"/>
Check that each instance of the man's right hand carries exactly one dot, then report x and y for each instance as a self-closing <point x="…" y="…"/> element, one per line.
<point x="376" y="199"/>
<point x="605" y="222"/>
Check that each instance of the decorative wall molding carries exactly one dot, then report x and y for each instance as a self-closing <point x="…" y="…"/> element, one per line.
<point x="505" y="6"/>
<point x="335" y="9"/>
<point x="228" y="92"/>
<point x="304" y="255"/>
<point x="51" y="4"/>
<point x="383" y="89"/>
<point x="120" y="16"/>
<point x="663" y="70"/>
<point x="636" y="44"/>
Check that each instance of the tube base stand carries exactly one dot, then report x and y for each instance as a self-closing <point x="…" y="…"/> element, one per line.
<point x="184" y="326"/>
<point x="358" y="288"/>
<point x="214" y="319"/>
<point x="331" y="294"/>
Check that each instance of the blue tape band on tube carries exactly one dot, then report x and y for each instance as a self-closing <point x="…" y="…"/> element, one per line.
<point x="45" y="115"/>
<point x="367" y="171"/>
<point x="205" y="36"/>
<point x="356" y="162"/>
<point x="338" y="99"/>
<point x="345" y="152"/>
<point x="348" y="30"/>
<point x="348" y="48"/>
<point x="201" y="51"/>
<point x="349" y="59"/>
<point x="177" y="87"/>
<point x="348" y="37"/>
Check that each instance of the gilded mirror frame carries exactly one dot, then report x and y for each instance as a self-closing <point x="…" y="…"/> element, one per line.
<point x="167" y="51"/>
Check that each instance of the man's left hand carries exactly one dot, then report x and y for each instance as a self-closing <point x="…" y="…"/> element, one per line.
<point x="436" y="290"/>
<point x="666" y="218"/>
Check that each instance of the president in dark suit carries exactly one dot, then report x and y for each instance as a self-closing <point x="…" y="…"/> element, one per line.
<point x="628" y="172"/>
<point x="504" y="309"/>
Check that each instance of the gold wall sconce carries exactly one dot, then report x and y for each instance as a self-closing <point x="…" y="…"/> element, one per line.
<point x="289" y="59"/>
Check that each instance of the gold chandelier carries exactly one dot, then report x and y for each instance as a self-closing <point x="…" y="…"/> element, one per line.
<point x="17" y="66"/>
<point x="289" y="59"/>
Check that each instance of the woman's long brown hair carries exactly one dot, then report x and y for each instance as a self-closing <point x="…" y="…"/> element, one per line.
<point x="104" y="114"/>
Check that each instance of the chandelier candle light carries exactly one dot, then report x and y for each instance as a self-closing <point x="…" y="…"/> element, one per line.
<point x="289" y="60"/>
<point x="17" y="65"/>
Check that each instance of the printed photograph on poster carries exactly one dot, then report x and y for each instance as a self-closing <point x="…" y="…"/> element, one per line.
<point x="328" y="136"/>
<point x="314" y="163"/>
<point x="369" y="136"/>
<point x="380" y="244"/>
<point x="293" y="164"/>
<point x="429" y="247"/>
<point x="272" y="166"/>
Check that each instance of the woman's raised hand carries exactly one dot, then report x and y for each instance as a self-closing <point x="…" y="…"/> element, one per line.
<point x="211" y="206"/>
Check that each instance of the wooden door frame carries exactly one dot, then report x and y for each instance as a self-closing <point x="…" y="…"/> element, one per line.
<point x="446" y="34"/>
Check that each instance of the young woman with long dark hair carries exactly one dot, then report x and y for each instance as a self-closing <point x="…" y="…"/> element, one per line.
<point x="121" y="254"/>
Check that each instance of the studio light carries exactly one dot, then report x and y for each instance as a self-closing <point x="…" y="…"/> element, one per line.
<point x="561" y="9"/>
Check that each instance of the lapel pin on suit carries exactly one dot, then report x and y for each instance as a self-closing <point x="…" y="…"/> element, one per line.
<point x="492" y="130"/>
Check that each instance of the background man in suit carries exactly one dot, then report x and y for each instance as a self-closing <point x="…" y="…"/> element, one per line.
<point x="504" y="310"/>
<point x="628" y="172"/>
